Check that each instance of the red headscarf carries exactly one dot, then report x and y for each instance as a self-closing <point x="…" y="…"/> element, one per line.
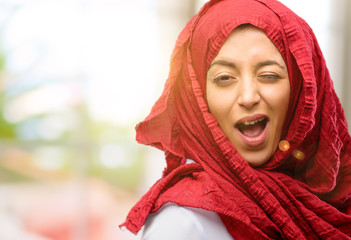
<point x="288" y="197"/>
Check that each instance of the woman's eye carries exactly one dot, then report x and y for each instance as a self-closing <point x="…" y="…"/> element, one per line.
<point x="223" y="80"/>
<point x="269" y="77"/>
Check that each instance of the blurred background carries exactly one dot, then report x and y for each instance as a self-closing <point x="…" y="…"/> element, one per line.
<point x="76" y="76"/>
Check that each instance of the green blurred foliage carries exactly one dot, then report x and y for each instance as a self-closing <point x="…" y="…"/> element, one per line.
<point x="7" y="130"/>
<point x="2" y="60"/>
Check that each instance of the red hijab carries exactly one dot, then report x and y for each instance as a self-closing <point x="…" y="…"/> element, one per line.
<point x="288" y="197"/>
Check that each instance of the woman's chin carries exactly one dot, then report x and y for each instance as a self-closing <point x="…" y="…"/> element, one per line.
<point x="255" y="159"/>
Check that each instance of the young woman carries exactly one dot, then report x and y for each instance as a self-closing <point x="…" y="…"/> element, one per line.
<point x="255" y="139"/>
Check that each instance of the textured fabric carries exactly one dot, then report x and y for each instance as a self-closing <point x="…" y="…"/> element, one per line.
<point x="286" y="198"/>
<point x="188" y="223"/>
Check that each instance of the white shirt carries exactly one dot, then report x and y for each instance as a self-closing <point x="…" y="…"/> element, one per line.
<point x="173" y="222"/>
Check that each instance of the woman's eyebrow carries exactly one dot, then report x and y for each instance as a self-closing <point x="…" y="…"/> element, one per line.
<point x="259" y="65"/>
<point x="223" y="63"/>
<point x="268" y="63"/>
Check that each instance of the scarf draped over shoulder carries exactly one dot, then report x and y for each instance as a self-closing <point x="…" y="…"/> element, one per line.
<point x="289" y="197"/>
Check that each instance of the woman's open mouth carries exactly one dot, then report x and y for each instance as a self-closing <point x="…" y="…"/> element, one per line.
<point x="253" y="132"/>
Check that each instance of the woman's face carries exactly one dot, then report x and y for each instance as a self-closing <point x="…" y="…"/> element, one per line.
<point x="248" y="93"/>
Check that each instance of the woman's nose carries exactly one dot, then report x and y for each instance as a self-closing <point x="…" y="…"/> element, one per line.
<point x="248" y="95"/>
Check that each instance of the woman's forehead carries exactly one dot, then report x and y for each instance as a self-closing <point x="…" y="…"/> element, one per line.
<point x="249" y="43"/>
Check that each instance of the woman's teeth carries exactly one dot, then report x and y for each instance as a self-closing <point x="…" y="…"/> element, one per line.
<point x="253" y="122"/>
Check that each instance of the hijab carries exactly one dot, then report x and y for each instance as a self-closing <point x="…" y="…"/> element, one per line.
<point x="304" y="190"/>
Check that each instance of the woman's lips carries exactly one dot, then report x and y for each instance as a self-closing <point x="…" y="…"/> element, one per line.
<point x="253" y="129"/>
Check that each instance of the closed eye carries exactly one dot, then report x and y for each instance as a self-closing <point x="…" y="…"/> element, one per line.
<point x="269" y="77"/>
